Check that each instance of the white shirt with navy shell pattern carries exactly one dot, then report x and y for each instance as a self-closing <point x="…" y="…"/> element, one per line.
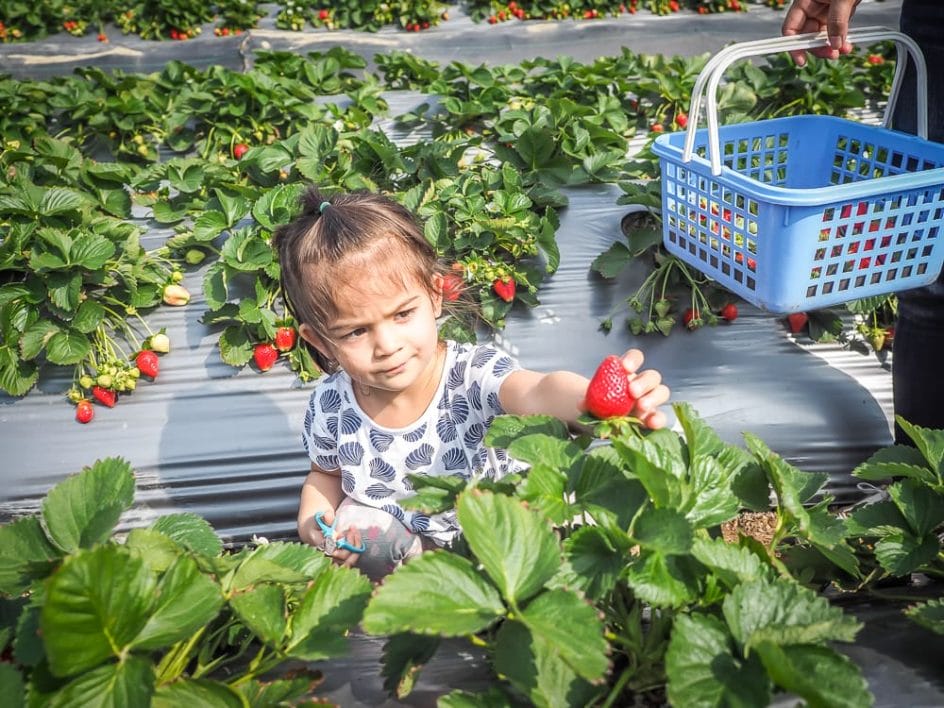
<point x="447" y="439"/>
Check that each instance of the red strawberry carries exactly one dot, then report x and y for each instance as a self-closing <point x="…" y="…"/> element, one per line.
<point x="452" y="287"/>
<point x="729" y="312"/>
<point x="323" y="15"/>
<point x="265" y="355"/>
<point x="657" y="128"/>
<point x="105" y="396"/>
<point x="608" y="392"/>
<point x="691" y="318"/>
<point x="84" y="411"/>
<point x="681" y="120"/>
<point x="797" y="321"/>
<point x="147" y="363"/>
<point x="240" y="149"/>
<point x="285" y="339"/>
<point x="504" y="288"/>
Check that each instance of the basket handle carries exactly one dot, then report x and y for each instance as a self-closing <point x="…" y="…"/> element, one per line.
<point x="707" y="82"/>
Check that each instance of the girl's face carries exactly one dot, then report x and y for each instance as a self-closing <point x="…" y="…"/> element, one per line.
<point x="384" y="334"/>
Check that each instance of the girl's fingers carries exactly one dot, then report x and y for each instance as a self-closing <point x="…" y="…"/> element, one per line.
<point x="644" y="382"/>
<point x="632" y="360"/>
<point x="655" y="420"/>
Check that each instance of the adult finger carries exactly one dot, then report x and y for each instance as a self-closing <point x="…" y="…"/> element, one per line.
<point x="837" y="24"/>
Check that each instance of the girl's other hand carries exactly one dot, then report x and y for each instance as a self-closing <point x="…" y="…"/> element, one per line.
<point x="648" y="390"/>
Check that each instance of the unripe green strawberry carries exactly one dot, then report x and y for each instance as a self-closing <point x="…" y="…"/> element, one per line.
<point x="608" y="393"/>
<point x="105" y="380"/>
<point x="176" y="276"/>
<point x="86" y="381"/>
<point x="74" y="395"/>
<point x="265" y="355"/>
<point x="194" y="256"/>
<point x="147" y="363"/>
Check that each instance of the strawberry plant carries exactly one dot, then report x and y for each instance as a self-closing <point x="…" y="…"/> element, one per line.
<point x="545" y="604"/>
<point x="75" y="278"/>
<point x="164" y="615"/>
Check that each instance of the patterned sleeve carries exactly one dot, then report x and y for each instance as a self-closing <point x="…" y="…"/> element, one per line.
<point x="321" y="426"/>
<point x="488" y="369"/>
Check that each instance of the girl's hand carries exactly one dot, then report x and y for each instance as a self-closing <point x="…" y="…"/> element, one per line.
<point x="314" y="537"/>
<point x="648" y="390"/>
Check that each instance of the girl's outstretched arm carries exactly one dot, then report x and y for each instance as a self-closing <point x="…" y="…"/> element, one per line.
<point x="561" y="393"/>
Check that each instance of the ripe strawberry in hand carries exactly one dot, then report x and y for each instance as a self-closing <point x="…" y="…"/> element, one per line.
<point x="265" y="355"/>
<point x="608" y="393"/>
<point x="147" y="363"/>
<point x="285" y="339"/>
<point x="797" y="321"/>
<point x="105" y="396"/>
<point x="84" y="411"/>
<point x="504" y="288"/>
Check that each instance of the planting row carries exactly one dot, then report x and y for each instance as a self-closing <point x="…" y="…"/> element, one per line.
<point x="645" y="605"/>
<point x="179" y="19"/>
<point x="221" y="157"/>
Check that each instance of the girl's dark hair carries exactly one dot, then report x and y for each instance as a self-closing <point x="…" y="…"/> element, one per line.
<point x="328" y="232"/>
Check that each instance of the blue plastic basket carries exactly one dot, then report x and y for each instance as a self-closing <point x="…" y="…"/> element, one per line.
<point x="804" y="212"/>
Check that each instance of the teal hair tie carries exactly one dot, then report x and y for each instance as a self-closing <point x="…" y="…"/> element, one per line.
<point x="324" y="205"/>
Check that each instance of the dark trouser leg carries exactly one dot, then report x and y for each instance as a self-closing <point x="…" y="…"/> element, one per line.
<point x="918" y="359"/>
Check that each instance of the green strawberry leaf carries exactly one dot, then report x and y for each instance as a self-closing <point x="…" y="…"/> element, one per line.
<point x="12" y="686"/>
<point x="83" y="509"/>
<point x="404" y="655"/>
<point x="596" y="560"/>
<point x="928" y="614"/>
<point x="262" y="609"/>
<point x="783" y="612"/>
<point x="922" y="508"/>
<point x="328" y="610"/>
<point x="704" y="671"/>
<point x="664" y="581"/>
<point x="96" y="605"/>
<point x="929" y="442"/>
<point x="820" y="675"/>
<point x="572" y="627"/>
<point x="191" y="531"/>
<point x="664" y="531"/>
<point x="197" y="692"/>
<point x="456" y="599"/>
<point x="124" y="684"/>
<point x="25" y="555"/>
<point x="186" y="601"/>
<point x="532" y="664"/>
<point x="902" y="553"/>
<point x="516" y="546"/>
<point x="732" y="564"/>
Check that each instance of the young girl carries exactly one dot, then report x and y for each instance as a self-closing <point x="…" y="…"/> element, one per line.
<point x="366" y="288"/>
